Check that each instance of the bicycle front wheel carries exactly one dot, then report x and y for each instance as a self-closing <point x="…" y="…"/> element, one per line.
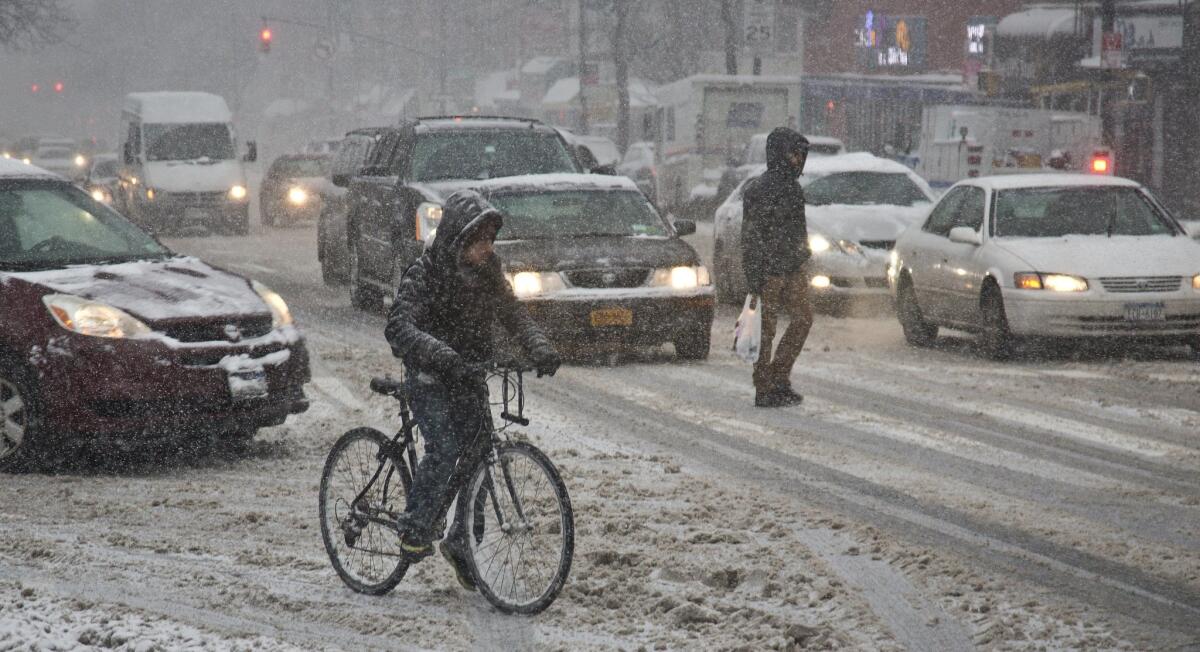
<point x="519" y="527"/>
<point x="364" y="487"/>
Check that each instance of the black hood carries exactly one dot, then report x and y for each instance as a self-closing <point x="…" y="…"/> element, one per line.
<point x="781" y="142"/>
<point x="464" y="213"/>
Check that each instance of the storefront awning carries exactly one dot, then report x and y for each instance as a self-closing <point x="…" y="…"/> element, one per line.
<point x="1038" y="22"/>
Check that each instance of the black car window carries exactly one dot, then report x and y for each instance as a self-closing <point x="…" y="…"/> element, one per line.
<point x="486" y="154"/>
<point x="863" y="188"/>
<point x="970" y="209"/>
<point x="577" y="213"/>
<point x="941" y="219"/>
<point x="382" y="153"/>
<point x="45" y="225"/>
<point x="1077" y="210"/>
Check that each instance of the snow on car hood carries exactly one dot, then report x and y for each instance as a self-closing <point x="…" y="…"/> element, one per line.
<point x="438" y="191"/>
<point x="857" y="223"/>
<point x="594" y="253"/>
<point x="178" y="176"/>
<point x="176" y="288"/>
<point x="1093" y="256"/>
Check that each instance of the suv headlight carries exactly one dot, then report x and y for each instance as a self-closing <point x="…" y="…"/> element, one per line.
<point x="429" y="216"/>
<point x="92" y="318"/>
<point x="683" y="277"/>
<point x="280" y="314"/>
<point x="237" y="192"/>
<point x="532" y="284"/>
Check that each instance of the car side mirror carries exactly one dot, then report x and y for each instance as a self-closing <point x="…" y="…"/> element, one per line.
<point x="251" y="151"/>
<point x="684" y="227"/>
<point x="610" y="170"/>
<point x="965" y="235"/>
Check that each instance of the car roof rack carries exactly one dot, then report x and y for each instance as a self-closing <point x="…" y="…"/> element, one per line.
<point x="475" y="116"/>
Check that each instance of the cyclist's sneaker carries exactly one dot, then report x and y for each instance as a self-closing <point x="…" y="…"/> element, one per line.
<point x="456" y="557"/>
<point x="414" y="551"/>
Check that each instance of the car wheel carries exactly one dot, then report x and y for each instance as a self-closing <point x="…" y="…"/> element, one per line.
<point x="996" y="340"/>
<point x="362" y="295"/>
<point x="917" y="331"/>
<point x="693" y="344"/>
<point x="19" y="420"/>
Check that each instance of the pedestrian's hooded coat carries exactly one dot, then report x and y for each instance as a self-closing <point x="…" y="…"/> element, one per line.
<point x="774" y="229"/>
<point x="443" y="307"/>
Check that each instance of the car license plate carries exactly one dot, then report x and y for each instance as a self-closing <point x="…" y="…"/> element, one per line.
<point x="612" y="317"/>
<point x="1145" y="311"/>
<point x="247" y="384"/>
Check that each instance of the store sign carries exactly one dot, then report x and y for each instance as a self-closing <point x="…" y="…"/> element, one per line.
<point x="891" y="42"/>
<point x="978" y="49"/>
<point x="1144" y="38"/>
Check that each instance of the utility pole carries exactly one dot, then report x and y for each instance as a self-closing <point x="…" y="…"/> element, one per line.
<point x="583" y="107"/>
<point x="621" y="59"/>
<point x="1108" y="23"/>
<point x="731" y="37"/>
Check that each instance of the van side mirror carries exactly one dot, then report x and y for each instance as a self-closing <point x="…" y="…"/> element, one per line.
<point x="684" y="227"/>
<point x="965" y="235"/>
<point x="341" y="180"/>
<point x="610" y="170"/>
<point x="127" y="154"/>
<point x="251" y="151"/>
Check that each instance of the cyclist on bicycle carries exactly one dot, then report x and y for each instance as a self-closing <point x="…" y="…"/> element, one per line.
<point x="441" y="327"/>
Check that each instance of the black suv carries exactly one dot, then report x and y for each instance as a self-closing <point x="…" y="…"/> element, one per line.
<point x="351" y="154"/>
<point x="395" y="203"/>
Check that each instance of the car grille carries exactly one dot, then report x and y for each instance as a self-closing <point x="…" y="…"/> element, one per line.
<point x="219" y="330"/>
<point x="609" y="278"/>
<point x="878" y="244"/>
<point x="201" y="199"/>
<point x="1141" y="283"/>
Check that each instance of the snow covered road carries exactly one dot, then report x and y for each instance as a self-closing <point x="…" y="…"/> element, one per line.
<point x="919" y="499"/>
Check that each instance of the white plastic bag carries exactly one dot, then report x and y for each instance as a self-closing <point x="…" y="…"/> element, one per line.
<point x="747" y="333"/>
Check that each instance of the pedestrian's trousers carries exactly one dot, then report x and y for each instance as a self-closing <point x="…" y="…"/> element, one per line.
<point x="789" y="293"/>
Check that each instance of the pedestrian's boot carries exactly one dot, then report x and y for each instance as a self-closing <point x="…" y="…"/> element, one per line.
<point x="769" y="399"/>
<point x="789" y="395"/>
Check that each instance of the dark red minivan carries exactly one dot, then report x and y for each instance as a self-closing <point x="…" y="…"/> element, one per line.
<point x="106" y="333"/>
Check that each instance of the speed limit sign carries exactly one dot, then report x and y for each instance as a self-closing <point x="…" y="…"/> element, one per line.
<point x="759" y="21"/>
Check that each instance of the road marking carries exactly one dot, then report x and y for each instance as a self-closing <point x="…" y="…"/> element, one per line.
<point x="336" y="390"/>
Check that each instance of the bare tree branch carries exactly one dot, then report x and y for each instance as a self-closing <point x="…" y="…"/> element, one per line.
<point x="27" y="23"/>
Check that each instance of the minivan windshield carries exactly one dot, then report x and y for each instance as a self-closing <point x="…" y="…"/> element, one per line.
<point x="485" y="154"/>
<point x="863" y="188"/>
<point x="1077" y="210"/>
<point x="188" y="142"/>
<point x="577" y="213"/>
<point x="44" y="225"/>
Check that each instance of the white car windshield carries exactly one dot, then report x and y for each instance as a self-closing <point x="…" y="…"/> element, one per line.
<point x="1096" y="210"/>
<point x="862" y="189"/>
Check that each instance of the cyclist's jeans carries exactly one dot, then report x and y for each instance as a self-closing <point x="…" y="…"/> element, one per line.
<point x="449" y="422"/>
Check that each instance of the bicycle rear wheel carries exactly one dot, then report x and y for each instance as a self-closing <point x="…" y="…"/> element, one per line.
<point x="360" y="537"/>
<point x="520" y="530"/>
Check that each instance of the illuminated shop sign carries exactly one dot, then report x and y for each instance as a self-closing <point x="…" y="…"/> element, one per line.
<point x="891" y="42"/>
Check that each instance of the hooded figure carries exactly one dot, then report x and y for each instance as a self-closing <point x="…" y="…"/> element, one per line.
<point x="774" y="250"/>
<point x="441" y="325"/>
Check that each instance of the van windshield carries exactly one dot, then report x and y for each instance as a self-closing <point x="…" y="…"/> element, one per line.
<point x="187" y="142"/>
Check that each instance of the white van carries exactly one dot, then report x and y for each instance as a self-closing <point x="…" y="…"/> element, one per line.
<point x="180" y="163"/>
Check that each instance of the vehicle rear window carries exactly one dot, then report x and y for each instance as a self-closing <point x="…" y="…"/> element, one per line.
<point x="863" y="188"/>
<point x="488" y="154"/>
<point x="572" y="214"/>
<point x="53" y="153"/>
<point x="1077" y="210"/>
<point x="43" y="226"/>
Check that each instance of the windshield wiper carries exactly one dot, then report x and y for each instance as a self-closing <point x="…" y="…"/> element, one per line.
<point x="1112" y="223"/>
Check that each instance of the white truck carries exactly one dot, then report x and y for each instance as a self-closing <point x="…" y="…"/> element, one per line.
<point x="180" y="164"/>
<point x="706" y="120"/>
<point x="958" y="142"/>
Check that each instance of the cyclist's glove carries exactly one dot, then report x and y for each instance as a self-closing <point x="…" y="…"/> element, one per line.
<point x="451" y="368"/>
<point x="546" y="360"/>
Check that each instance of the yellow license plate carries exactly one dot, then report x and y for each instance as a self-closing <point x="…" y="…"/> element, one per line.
<point x="612" y="317"/>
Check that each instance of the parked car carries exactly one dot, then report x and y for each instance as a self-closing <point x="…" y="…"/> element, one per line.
<point x="395" y="204"/>
<point x="105" y="333"/>
<point x="639" y="165"/>
<point x="293" y="189"/>
<point x="351" y="155"/>
<point x="1048" y="255"/>
<point x="856" y="206"/>
<point x="593" y="261"/>
<point x="102" y="178"/>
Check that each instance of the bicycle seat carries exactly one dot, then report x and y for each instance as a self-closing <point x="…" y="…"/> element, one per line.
<point x="387" y="386"/>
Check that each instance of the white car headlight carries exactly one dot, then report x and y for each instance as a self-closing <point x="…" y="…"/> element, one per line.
<point x="429" y="216"/>
<point x="101" y="195"/>
<point x="1196" y="282"/>
<point x="683" y="277"/>
<point x="280" y="314"/>
<point x="532" y="284"/>
<point x="92" y="318"/>
<point x="819" y="244"/>
<point x="1052" y="282"/>
<point x="297" y="195"/>
<point x="237" y="192"/>
<point x="80" y="161"/>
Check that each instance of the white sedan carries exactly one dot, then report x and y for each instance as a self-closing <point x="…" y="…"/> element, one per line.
<point x="856" y="206"/>
<point x="1053" y="255"/>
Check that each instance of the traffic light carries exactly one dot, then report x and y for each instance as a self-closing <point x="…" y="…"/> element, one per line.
<point x="33" y="88"/>
<point x="264" y="39"/>
<point x="58" y="87"/>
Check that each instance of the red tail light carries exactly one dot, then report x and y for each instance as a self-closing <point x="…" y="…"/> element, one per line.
<point x="1100" y="165"/>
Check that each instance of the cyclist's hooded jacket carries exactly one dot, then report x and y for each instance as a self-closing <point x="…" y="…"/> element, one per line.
<point x="444" y="307"/>
<point x="774" y="230"/>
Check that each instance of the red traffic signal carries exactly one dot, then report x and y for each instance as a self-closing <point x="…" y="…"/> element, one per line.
<point x="33" y="88"/>
<point x="264" y="39"/>
<point x="58" y="87"/>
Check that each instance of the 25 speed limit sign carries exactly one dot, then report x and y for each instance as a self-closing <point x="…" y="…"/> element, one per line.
<point x="759" y="21"/>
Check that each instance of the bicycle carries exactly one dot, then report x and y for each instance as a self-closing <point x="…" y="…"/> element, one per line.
<point x="365" y="485"/>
